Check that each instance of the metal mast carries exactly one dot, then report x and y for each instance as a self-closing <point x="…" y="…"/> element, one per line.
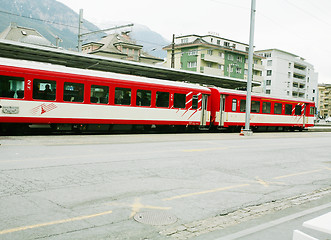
<point x="250" y="68"/>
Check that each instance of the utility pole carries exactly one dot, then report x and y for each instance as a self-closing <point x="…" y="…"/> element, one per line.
<point x="247" y="130"/>
<point x="80" y="34"/>
<point x="173" y="51"/>
<point x="80" y="25"/>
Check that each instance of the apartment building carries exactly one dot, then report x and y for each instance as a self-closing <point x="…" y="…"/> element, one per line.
<point x="213" y="55"/>
<point x="324" y="100"/>
<point x="287" y="74"/>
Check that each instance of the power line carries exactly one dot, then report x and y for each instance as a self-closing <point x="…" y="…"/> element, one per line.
<point x="40" y="20"/>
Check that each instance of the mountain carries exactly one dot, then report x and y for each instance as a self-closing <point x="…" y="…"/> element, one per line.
<point x="52" y="18"/>
<point x="48" y="17"/>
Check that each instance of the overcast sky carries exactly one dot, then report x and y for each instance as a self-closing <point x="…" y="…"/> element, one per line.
<point x="301" y="27"/>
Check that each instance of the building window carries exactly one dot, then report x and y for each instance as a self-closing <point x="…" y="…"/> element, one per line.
<point x="239" y="59"/>
<point x="247" y="49"/>
<point x="184" y="40"/>
<point x="226" y="44"/>
<point x="191" y="64"/>
<point x="269" y="63"/>
<point x="289" y="74"/>
<point x="218" y="42"/>
<point x="267" y="55"/>
<point x="221" y="54"/>
<point x="268" y="91"/>
<point x="313" y="90"/>
<point x="230" y="57"/>
<point x="268" y="82"/>
<point x="210" y="52"/>
<point x="289" y="65"/>
<point x="209" y="64"/>
<point x="269" y="72"/>
<point x="193" y="52"/>
<point x="238" y="70"/>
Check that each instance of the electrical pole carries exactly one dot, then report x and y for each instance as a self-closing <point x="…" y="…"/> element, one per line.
<point x="80" y="25"/>
<point x="250" y="70"/>
<point x="80" y="34"/>
<point x="173" y="51"/>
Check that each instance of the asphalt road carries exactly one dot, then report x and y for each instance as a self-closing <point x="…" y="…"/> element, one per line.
<point x="157" y="186"/>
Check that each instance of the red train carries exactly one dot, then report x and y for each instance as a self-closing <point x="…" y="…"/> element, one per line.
<point x="42" y="95"/>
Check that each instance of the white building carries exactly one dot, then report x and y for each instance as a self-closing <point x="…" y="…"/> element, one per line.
<point x="287" y="74"/>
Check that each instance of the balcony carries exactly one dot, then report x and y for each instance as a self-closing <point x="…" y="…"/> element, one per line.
<point x="212" y="71"/>
<point x="299" y="72"/>
<point x="257" y="78"/>
<point x="211" y="58"/>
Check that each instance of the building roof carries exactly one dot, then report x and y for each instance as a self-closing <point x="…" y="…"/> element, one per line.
<point x="25" y="35"/>
<point x="112" y="43"/>
<point x="199" y="41"/>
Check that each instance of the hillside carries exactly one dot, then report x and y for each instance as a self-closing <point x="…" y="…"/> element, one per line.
<point x="52" y="18"/>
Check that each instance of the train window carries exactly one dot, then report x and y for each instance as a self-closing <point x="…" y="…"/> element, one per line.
<point x="195" y="102"/>
<point x="99" y="94"/>
<point x="11" y="87"/>
<point x="288" y="109"/>
<point x="44" y="89"/>
<point x="123" y="96"/>
<point x="234" y="105"/>
<point x="143" y="98"/>
<point x="242" y="105"/>
<point x="162" y="99"/>
<point x="179" y="100"/>
<point x="278" y="108"/>
<point x="312" y="111"/>
<point x="73" y="92"/>
<point x="297" y="110"/>
<point x="255" y="107"/>
<point x="266" y="107"/>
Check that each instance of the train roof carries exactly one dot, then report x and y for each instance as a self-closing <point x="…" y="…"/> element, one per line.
<point x="262" y="95"/>
<point x="94" y="73"/>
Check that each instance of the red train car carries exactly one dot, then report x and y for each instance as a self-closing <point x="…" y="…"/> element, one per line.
<point x="44" y="95"/>
<point x="267" y="112"/>
<point x="36" y="94"/>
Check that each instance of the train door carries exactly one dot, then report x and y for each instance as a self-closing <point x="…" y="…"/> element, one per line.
<point x="222" y="104"/>
<point x="304" y="115"/>
<point x="204" y="114"/>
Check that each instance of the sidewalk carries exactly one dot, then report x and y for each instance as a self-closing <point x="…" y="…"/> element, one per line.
<point x="277" y="226"/>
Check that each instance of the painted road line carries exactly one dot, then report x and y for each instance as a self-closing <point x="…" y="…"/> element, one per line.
<point x="205" y="192"/>
<point x="54" y="222"/>
<point x="298" y="173"/>
<point x="204" y="149"/>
